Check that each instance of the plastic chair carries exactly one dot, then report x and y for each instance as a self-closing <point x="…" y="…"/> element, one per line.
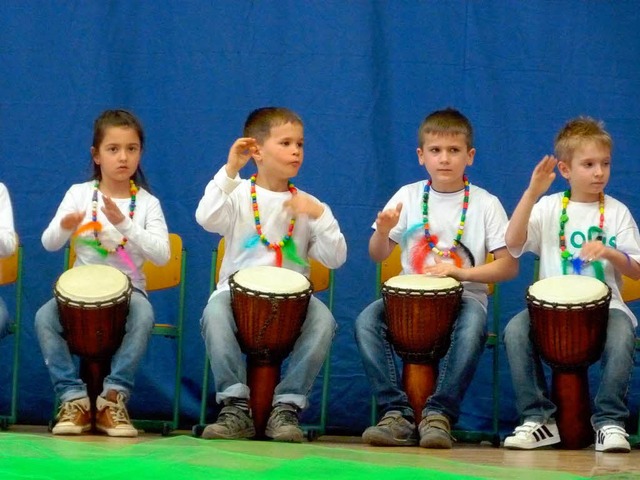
<point x="171" y="275"/>
<point x="321" y="279"/>
<point x="11" y="274"/>
<point x="391" y="267"/>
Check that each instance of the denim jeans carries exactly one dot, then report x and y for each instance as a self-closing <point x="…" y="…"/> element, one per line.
<point x="4" y="319"/>
<point x="64" y="376"/>
<point x="616" y="364"/>
<point x="456" y="369"/>
<point x="228" y="365"/>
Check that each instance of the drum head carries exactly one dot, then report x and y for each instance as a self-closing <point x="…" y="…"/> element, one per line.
<point x="92" y="283"/>
<point x="569" y="289"/>
<point x="421" y="282"/>
<point x="274" y="280"/>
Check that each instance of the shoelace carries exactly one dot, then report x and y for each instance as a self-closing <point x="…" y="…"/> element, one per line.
<point x="68" y="411"/>
<point x="286" y="417"/>
<point x="230" y="416"/>
<point x="118" y="413"/>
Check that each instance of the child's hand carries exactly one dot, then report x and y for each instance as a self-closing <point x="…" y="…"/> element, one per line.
<point x="301" y="204"/>
<point x="593" y="250"/>
<point x="111" y="211"/>
<point x="71" y="221"/>
<point x="239" y="154"/>
<point x="543" y="176"/>
<point x="388" y="219"/>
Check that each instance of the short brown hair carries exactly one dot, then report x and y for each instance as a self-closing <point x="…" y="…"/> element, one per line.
<point x="260" y="122"/>
<point x="447" y="121"/>
<point x="576" y="132"/>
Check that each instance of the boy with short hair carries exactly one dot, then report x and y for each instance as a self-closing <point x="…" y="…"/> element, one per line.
<point x="581" y="229"/>
<point x="446" y="226"/>
<point x="266" y="221"/>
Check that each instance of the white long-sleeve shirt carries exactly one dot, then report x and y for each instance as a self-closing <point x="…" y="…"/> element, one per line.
<point x="226" y="209"/>
<point x="147" y="234"/>
<point x="7" y="231"/>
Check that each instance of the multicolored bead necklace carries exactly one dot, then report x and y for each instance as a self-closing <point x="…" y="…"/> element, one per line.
<point x="285" y="245"/>
<point x="428" y="243"/>
<point x="566" y="256"/>
<point x="94" y="214"/>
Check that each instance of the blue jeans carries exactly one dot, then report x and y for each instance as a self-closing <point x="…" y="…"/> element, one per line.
<point x="455" y="371"/>
<point x="616" y="364"/>
<point x="66" y="381"/>
<point x="228" y="365"/>
<point x="4" y="319"/>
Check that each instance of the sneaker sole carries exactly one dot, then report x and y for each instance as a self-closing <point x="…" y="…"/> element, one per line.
<point x="379" y="440"/>
<point x="213" y="435"/>
<point x="70" y="430"/>
<point x="114" y="432"/>
<point x="614" y="450"/>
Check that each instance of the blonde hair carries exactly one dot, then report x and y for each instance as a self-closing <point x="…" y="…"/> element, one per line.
<point x="577" y="132"/>
<point x="448" y="121"/>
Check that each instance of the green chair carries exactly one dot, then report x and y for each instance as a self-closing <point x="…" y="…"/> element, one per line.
<point x="170" y="275"/>
<point x="321" y="279"/>
<point x="391" y="267"/>
<point x="11" y="274"/>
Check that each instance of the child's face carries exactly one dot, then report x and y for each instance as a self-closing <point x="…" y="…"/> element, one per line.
<point x="588" y="171"/>
<point x="445" y="156"/>
<point x="118" y="155"/>
<point x="280" y="156"/>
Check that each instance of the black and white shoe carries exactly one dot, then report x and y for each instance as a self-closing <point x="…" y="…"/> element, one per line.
<point x="612" y="439"/>
<point x="532" y="435"/>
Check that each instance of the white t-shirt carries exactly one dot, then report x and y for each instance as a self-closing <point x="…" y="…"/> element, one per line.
<point x="7" y="231"/>
<point x="484" y="227"/>
<point x="226" y="209"/>
<point x="620" y="231"/>
<point x="147" y="235"/>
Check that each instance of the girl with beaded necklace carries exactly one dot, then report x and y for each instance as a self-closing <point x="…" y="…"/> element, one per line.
<point x="445" y="226"/>
<point x="265" y="220"/>
<point x="580" y="231"/>
<point x="113" y="221"/>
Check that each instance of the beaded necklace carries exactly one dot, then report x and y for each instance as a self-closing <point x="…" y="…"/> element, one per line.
<point x="285" y="245"/>
<point x="94" y="214"/>
<point x="566" y="256"/>
<point x="425" y="218"/>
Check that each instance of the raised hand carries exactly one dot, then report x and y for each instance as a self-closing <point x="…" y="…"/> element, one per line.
<point x="239" y="154"/>
<point x="543" y="176"/>
<point x="302" y="204"/>
<point x="388" y="219"/>
<point x="71" y="221"/>
<point x="111" y="211"/>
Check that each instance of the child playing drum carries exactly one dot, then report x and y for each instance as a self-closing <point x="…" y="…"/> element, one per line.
<point x="7" y="247"/>
<point x="445" y="226"/>
<point x="581" y="231"/>
<point x="265" y="220"/>
<point x="117" y="222"/>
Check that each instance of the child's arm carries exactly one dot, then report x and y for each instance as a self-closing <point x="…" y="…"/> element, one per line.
<point x="380" y="245"/>
<point x="622" y="262"/>
<point x="503" y="267"/>
<point x="7" y="232"/>
<point x="541" y="179"/>
<point x="68" y="217"/>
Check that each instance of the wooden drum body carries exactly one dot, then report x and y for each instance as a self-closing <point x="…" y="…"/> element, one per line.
<point x="569" y="316"/>
<point x="269" y="306"/>
<point x="93" y="302"/>
<point x="420" y="312"/>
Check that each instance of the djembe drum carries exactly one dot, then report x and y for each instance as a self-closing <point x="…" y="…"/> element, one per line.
<point x="420" y="312"/>
<point x="269" y="306"/>
<point x="93" y="302"/>
<point x="569" y="316"/>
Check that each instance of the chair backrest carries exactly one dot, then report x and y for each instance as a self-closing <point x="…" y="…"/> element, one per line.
<point x="630" y="290"/>
<point x="158" y="278"/>
<point x="10" y="266"/>
<point x="392" y="266"/>
<point x="319" y="275"/>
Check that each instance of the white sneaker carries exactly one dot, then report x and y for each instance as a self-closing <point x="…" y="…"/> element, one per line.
<point x="612" y="439"/>
<point x="532" y="435"/>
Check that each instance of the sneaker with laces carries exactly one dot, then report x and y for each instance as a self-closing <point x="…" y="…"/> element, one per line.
<point x="112" y="417"/>
<point x="233" y="423"/>
<point x="435" y="431"/>
<point x="73" y="418"/>
<point x="612" y="439"/>
<point x="393" y="430"/>
<point x="532" y="435"/>
<point x="282" y="425"/>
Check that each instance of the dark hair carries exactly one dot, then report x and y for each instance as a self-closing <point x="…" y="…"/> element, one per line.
<point x="117" y="118"/>
<point x="260" y="122"/>
<point x="448" y="121"/>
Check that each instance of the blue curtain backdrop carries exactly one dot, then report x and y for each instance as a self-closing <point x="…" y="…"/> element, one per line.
<point x="362" y="74"/>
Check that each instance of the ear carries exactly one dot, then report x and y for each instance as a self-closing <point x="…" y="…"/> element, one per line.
<point x="257" y="155"/>
<point x="564" y="169"/>
<point x="420" y="156"/>
<point x="94" y="153"/>
<point x="471" y="154"/>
